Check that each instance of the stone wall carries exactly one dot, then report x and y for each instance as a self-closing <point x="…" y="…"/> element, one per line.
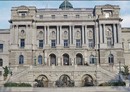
<point x="73" y="89"/>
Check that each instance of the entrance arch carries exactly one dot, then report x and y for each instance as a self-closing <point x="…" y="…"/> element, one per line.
<point x="66" y="59"/>
<point x="79" y="59"/>
<point x="52" y="59"/>
<point x="42" y="81"/>
<point x="87" y="80"/>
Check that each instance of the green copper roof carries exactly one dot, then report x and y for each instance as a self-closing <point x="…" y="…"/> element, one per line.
<point x="66" y="5"/>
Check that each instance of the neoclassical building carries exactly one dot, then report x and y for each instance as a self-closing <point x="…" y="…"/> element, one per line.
<point x="80" y="45"/>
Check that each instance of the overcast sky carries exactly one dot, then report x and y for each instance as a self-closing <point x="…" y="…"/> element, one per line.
<point x="5" y="7"/>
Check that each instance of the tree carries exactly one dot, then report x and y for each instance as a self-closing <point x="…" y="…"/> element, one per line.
<point x="126" y="70"/>
<point x="6" y="72"/>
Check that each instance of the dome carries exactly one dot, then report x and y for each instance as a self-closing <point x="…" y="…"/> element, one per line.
<point x="66" y="5"/>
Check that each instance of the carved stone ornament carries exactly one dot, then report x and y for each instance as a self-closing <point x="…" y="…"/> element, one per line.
<point x="108" y="32"/>
<point x="90" y="34"/>
<point x="53" y="35"/>
<point x="22" y="34"/>
<point x="78" y="34"/>
<point x="40" y="35"/>
<point x="65" y="35"/>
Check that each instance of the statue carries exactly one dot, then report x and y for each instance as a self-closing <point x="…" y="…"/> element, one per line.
<point x="65" y="81"/>
<point x="39" y="82"/>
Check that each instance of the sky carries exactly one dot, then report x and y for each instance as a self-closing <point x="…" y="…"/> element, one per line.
<point x="5" y="8"/>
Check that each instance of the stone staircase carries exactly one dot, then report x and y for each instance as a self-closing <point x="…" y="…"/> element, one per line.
<point x="20" y="73"/>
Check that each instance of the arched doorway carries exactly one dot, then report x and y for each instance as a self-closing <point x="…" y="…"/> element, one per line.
<point x="87" y="80"/>
<point x="64" y="81"/>
<point x="65" y="59"/>
<point x="79" y="59"/>
<point x="52" y="59"/>
<point x="42" y="81"/>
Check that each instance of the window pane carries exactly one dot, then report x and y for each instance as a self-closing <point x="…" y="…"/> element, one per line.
<point x="22" y="43"/>
<point x="91" y="43"/>
<point x="1" y="47"/>
<point x="53" y="43"/>
<point x="40" y="59"/>
<point x="78" y="43"/>
<point x="1" y="62"/>
<point x="0" y="73"/>
<point x="40" y="43"/>
<point x="65" y="43"/>
<point x="65" y="16"/>
<point x="21" y="59"/>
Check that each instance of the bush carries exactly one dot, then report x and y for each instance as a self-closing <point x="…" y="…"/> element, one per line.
<point x="113" y="84"/>
<point x="17" y="85"/>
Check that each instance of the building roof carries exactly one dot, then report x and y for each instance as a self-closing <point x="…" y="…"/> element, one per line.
<point x="66" y="5"/>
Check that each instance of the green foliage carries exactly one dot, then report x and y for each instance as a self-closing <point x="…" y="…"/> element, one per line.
<point x="126" y="70"/>
<point x="17" y="85"/>
<point x="113" y="84"/>
<point x="6" y="71"/>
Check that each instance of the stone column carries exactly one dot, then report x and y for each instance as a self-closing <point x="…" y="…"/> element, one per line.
<point x="100" y="28"/>
<point x="82" y="35"/>
<point x="61" y="36"/>
<point x="45" y="36"/>
<point x="118" y="33"/>
<point x="114" y="30"/>
<point x="113" y="33"/>
<point x="86" y="39"/>
<point x="13" y="34"/>
<point x="73" y="41"/>
<point x="48" y="39"/>
<point x="104" y="31"/>
<point x="16" y="35"/>
<point x="57" y="31"/>
<point x="70" y="35"/>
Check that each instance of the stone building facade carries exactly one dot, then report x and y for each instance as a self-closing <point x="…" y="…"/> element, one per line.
<point x="84" y="45"/>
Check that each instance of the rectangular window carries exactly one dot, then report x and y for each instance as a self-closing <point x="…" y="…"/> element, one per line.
<point x="65" y="43"/>
<point x="91" y="43"/>
<point x="109" y="42"/>
<point x="65" y="16"/>
<point x="53" y="16"/>
<point x="53" y="43"/>
<point x="77" y="16"/>
<point x="22" y="43"/>
<point x="78" y="43"/>
<point x="41" y="16"/>
<point x="0" y="73"/>
<point x="1" y="47"/>
<point x="40" y="43"/>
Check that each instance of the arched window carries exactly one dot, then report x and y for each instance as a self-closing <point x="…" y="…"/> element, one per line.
<point x="21" y="59"/>
<point x="79" y="59"/>
<point x="92" y="59"/>
<point x="40" y="59"/>
<point x="111" y="59"/>
<point x="66" y="59"/>
<point x="52" y="59"/>
<point x="1" y="62"/>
